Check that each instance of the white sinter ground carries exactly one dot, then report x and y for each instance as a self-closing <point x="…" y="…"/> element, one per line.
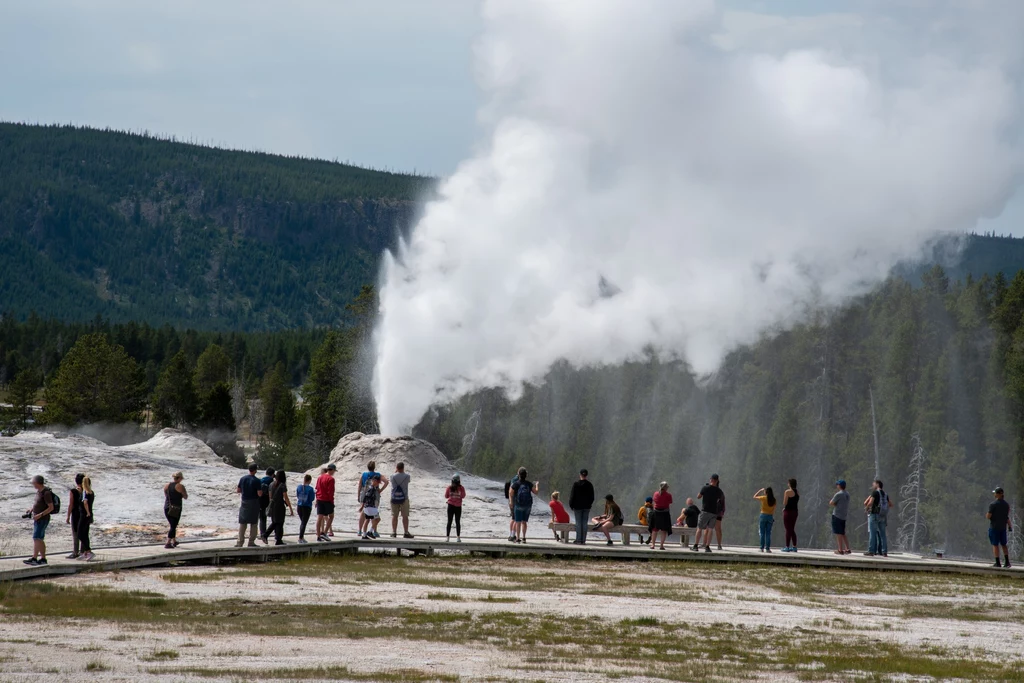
<point x="129" y="481"/>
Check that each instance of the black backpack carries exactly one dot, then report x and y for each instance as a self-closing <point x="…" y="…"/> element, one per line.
<point x="56" y="501"/>
<point x="265" y="498"/>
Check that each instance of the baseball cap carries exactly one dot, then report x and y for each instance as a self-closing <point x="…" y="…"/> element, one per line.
<point x="332" y="467"/>
<point x="715" y="475"/>
<point x="649" y="499"/>
<point x="583" y="473"/>
<point x="999" y="489"/>
<point x="841" y="482"/>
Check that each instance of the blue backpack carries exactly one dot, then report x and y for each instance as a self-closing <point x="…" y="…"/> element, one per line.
<point x="524" y="496"/>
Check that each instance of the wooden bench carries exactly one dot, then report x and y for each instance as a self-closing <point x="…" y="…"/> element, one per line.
<point x="625" y="531"/>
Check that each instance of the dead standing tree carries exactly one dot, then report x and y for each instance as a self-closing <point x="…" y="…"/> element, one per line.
<point x="912" y="526"/>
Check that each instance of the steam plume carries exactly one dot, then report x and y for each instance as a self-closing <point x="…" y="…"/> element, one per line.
<point x="672" y="176"/>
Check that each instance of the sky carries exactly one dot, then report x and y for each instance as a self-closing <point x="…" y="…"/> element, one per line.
<point x="382" y="84"/>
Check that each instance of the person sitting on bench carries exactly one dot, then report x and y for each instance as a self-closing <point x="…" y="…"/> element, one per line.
<point x="611" y="518"/>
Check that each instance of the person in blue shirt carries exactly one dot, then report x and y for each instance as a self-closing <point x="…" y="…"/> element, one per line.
<point x="251" y="490"/>
<point x="304" y="496"/>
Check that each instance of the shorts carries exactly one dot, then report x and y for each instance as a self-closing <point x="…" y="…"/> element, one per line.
<point x="838" y="526"/>
<point x="39" y="528"/>
<point x="370" y="513"/>
<point x="521" y="515"/>
<point x="997" y="537"/>
<point x="400" y="508"/>
<point x="324" y="508"/>
<point x="249" y="511"/>
<point x="706" y="520"/>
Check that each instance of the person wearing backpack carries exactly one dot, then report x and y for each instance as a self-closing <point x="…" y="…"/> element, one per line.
<point x="521" y="493"/>
<point x="74" y="507"/>
<point x="369" y="508"/>
<point x="873" y="506"/>
<point x="400" y="500"/>
<point x="46" y="503"/>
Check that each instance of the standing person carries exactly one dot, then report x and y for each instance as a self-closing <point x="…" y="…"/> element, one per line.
<point x="884" y="505"/>
<point x="872" y="505"/>
<point x="840" y="505"/>
<point x="521" y="494"/>
<point x="369" y="509"/>
<point x="454" y="494"/>
<point x="645" y="516"/>
<point x="998" y="516"/>
<point x="581" y="499"/>
<point x="265" y="484"/>
<point x="508" y="499"/>
<point x="278" y="501"/>
<point x="711" y="505"/>
<point x="251" y="489"/>
<point x="558" y="513"/>
<point x="611" y="518"/>
<point x="85" y="518"/>
<point x="662" y="504"/>
<point x="718" y="520"/>
<point x="400" y="500"/>
<point x="325" y="502"/>
<point x="74" y="508"/>
<point x="364" y="479"/>
<point x="767" y="519"/>
<point x="44" y="504"/>
<point x="174" y="494"/>
<point x="304" y="497"/>
<point x="790" y="503"/>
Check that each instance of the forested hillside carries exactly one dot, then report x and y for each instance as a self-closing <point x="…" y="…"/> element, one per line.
<point x="943" y="365"/>
<point x="131" y="227"/>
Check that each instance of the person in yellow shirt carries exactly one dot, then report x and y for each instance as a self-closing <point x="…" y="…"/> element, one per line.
<point x="767" y="498"/>
<point x="646" y="516"/>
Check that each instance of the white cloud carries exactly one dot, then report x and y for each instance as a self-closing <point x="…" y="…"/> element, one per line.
<point x="724" y="182"/>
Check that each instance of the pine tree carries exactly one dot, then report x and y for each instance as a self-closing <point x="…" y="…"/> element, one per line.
<point x="22" y="395"/>
<point x="96" y="382"/>
<point x="175" y="403"/>
<point x="212" y="368"/>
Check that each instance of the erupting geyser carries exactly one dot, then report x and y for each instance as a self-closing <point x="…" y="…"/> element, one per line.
<point x="726" y="171"/>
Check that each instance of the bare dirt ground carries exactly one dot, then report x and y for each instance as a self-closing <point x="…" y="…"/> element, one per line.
<point x="377" y="617"/>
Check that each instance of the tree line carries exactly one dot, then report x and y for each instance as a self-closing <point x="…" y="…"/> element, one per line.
<point x="933" y="374"/>
<point x="204" y="382"/>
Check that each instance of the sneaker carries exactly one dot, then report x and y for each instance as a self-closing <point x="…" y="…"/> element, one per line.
<point x="767" y="550"/>
<point x="278" y="542"/>
<point x="302" y="540"/>
<point x="408" y="536"/>
<point x="251" y="544"/>
<point x="610" y="543"/>
<point x="1007" y="563"/>
<point x="87" y="557"/>
<point x="33" y="561"/>
<point x="169" y="546"/>
<point x="394" y="535"/>
<point x="694" y="547"/>
<point x="885" y="554"/>
<point x="447" y="539"/>
<point x="175" y="543"/>
<point x="459" y="540"/>
<point x="512" y="539"/>
<point x="997" y="563"/>
<point x="869" y="554"/>
<point x="265" y="541"/>
<point x="330" y="534"/>
<point x="760" y="550"/>
<point x="238" y="545"/>
<point x="41" y="561"/>
<point x="719" y="546"/>
<point x="72" y="556"/>
<point x="847" y="552"/>
<point x="707" y="549"/>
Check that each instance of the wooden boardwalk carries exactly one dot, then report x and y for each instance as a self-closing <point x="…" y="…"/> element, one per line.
<point x="216" y="551"/>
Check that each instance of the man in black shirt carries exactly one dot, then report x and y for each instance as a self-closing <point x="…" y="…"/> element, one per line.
<point x="581" y="499"/>
<point x="999" y="523"/>
<point x="251" y="490"/>
<point x="711" y="497"/>
<point x="689" y="516"/>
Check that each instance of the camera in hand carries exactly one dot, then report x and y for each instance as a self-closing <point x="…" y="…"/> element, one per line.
<point x="27" y="515"/>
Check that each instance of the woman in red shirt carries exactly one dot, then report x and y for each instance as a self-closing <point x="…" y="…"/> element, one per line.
<point x="454" y="494"/>
<point x="662" y="515"/>
<point x="558" y="512"/>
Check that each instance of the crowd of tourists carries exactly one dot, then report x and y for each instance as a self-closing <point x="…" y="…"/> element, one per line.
<point x="265" y="500"/>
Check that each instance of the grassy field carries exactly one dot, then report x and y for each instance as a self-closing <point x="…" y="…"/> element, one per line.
<point x="672" y="621"/>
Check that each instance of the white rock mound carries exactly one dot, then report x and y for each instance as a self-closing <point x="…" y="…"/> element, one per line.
<point x="177" y="443"/>
<point x="355" y="450"/>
